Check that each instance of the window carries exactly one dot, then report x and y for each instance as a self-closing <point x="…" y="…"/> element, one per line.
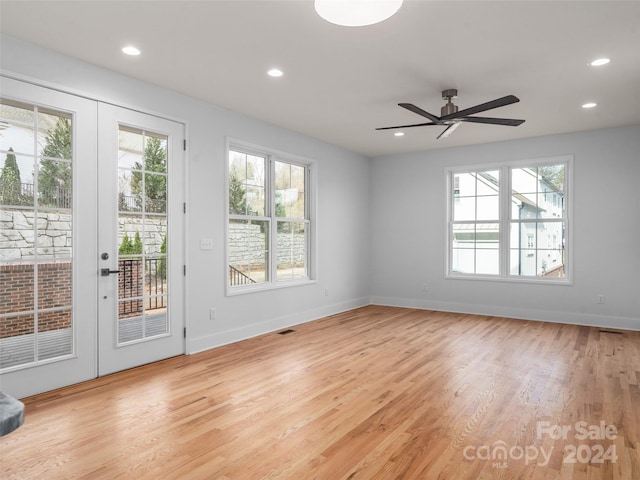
<point x="269" y="219"/>
<point x="510" y="221"/>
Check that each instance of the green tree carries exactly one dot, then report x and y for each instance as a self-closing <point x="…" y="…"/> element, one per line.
<point x="155" y="186"/>
<point x="237" y="196"/>
<point x="54" y="176"/>
<point x="128" y="247"/>
<point x="137" y="245"/>
<point x="125" y="245"/>
<point x="10" y="183"/>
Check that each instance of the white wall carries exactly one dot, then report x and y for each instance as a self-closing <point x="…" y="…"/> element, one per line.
<point x="408" y="232"/>
<point x="343" y="201"/>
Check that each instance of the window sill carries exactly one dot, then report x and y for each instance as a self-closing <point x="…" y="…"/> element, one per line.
<point x="244" y="289"/>
<point x="512" y="279"/>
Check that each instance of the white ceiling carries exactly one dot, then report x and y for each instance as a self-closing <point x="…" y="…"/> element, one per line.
<point x="341" y="83"/>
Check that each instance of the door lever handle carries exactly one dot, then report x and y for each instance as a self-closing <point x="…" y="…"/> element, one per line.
<point x="105" y="272"/>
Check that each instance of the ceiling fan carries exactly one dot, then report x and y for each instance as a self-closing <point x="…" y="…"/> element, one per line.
<point x="451" y="117"/>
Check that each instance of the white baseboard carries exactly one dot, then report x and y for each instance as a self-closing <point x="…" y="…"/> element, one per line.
<point x="586" y="319"/>
<point x="207" y="342"/>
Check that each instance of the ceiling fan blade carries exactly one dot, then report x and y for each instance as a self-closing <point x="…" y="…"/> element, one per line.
<point x="500" y="102"/>
<point x="449" y="130"/>
<point x="511" y="122"/>
<point x="411" y="107"/>
<point x="408" y="126"/>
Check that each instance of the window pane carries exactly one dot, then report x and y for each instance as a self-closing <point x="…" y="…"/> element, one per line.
<point x="127" y="200"/>
<point x="16" y="180"/>
<point x="487" y="183"/>
<point x="464" y="208"/>
<point x="488" y="208"/>
<point x="17" y="337"/>
<point x="538" y="192"/>
<point x="130" y="149"/>
<point x="463" y="260"/>
<point x="524" y="180"/>
<point x="155" y="153"/>
<point x="246" y="184"/>
<point x="488" y="262"/>
<point x="550" y="264"/>
<point x="54" y="184"/>
<point x="464" y="184"/>
<point x="54" y="135"/>
<point x="248" y="247"/>
<point x="289" y="194"/>
<point x="553" y="175"/>
<point x="537" y="249"/>
<point x="476" y="248"/>
<point x="292" y="250"/>
<point x="155" y="193"/>
<point x="18" y="127"/>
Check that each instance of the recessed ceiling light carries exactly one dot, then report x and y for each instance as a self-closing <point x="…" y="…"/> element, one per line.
<point x="275" y="72"/>
<point x="356" y="13"/>
<point x="131" y="50"/>
<point x="589" y="105"/>
<point x="599" y="62"/>
<point x="398" y="134"/>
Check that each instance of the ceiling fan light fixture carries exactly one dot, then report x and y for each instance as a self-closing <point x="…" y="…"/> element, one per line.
<point x="356" y="13"/>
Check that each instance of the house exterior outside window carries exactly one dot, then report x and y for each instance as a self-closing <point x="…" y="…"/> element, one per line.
<point x="510" y="221"/>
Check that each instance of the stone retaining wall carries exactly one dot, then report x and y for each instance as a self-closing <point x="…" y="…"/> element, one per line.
<point x="18" y="243"/>
<point x="246" y="246"/>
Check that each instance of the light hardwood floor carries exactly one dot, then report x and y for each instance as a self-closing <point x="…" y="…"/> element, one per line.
<point x="374" y="393"/>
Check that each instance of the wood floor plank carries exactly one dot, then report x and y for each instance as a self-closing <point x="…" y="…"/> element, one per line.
<point x="374" y="393"/>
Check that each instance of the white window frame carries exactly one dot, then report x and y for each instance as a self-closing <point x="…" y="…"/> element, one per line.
<point x="505" y="222"/>
<point x="272" y="156"/>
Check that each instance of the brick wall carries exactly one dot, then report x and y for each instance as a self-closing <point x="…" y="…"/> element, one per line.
<point x="130" y="284"/>
<point x="17" y="295"/>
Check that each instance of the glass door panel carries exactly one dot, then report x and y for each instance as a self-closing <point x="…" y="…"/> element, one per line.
<point x="142" y="235"/>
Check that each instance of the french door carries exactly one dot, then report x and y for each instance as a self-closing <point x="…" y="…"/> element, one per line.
<point x="140" y="238"/>
<point x="48" y="246"/>
<point x="86" y="189"/>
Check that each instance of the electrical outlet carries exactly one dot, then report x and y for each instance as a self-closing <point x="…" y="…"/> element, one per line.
<point x="600" y="298"/>
<point x="425" y="287"/>
<point x="212" y="314"/>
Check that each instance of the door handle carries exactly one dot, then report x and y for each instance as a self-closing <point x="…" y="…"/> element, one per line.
<point x="105" y="272"/>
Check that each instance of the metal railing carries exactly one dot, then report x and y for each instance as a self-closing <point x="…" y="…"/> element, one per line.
<point x="25" y="194"/>
<point x="236" y="277"/>
<point x="133" y="203"/>
<point x="132" y="284"/>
